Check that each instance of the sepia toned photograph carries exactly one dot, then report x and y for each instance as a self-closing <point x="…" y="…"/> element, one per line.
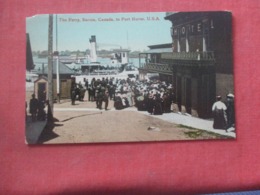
<point x="129" y="77"/>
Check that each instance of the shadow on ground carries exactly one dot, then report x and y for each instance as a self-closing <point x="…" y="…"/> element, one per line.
<point x="48" y="134"/>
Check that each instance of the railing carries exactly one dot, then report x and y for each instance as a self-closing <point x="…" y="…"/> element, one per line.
<point x="163" y="68"/>
<point x="167" y="61"/>
<point x="209" y="55"/>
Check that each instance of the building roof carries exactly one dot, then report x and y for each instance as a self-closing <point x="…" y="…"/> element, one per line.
<point x="160" y="46"/>
<point x="63" y="69"/>
<point x="40" y="78"/>
<point x="191" y="15"/>
<point x="159" y="50"/>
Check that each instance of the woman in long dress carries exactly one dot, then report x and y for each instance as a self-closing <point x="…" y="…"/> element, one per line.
<point x="219" y="114"/>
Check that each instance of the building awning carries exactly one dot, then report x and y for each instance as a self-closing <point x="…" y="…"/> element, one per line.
<point x="159" y="51"/>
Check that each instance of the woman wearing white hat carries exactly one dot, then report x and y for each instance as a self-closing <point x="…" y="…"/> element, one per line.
<point x="219" y="114"/>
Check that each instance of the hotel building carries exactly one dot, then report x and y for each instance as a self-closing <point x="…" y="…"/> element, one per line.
<point x="198" y="62"/>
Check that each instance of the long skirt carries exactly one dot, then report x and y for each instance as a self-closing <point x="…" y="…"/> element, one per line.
<point x="220" y="119"/>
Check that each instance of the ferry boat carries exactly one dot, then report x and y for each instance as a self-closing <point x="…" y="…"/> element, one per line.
<point x="118" y="68"/>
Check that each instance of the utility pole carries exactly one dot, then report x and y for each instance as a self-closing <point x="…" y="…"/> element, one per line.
<point x="50" y="66"/>
<point x="56" y="57"/>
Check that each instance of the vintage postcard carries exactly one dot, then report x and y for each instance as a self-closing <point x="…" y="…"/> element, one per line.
<point x="129" y="77"/>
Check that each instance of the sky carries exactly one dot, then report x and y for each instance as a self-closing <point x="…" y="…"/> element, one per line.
<point x="133" y="31"/>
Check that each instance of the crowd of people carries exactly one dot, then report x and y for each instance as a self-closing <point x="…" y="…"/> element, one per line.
<point x="156" y="97"/>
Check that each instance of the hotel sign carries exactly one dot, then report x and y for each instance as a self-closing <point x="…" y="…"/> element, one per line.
<point x="196" y="28"/>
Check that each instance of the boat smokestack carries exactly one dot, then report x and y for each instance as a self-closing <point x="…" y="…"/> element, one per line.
<point x="93" y="49"/>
